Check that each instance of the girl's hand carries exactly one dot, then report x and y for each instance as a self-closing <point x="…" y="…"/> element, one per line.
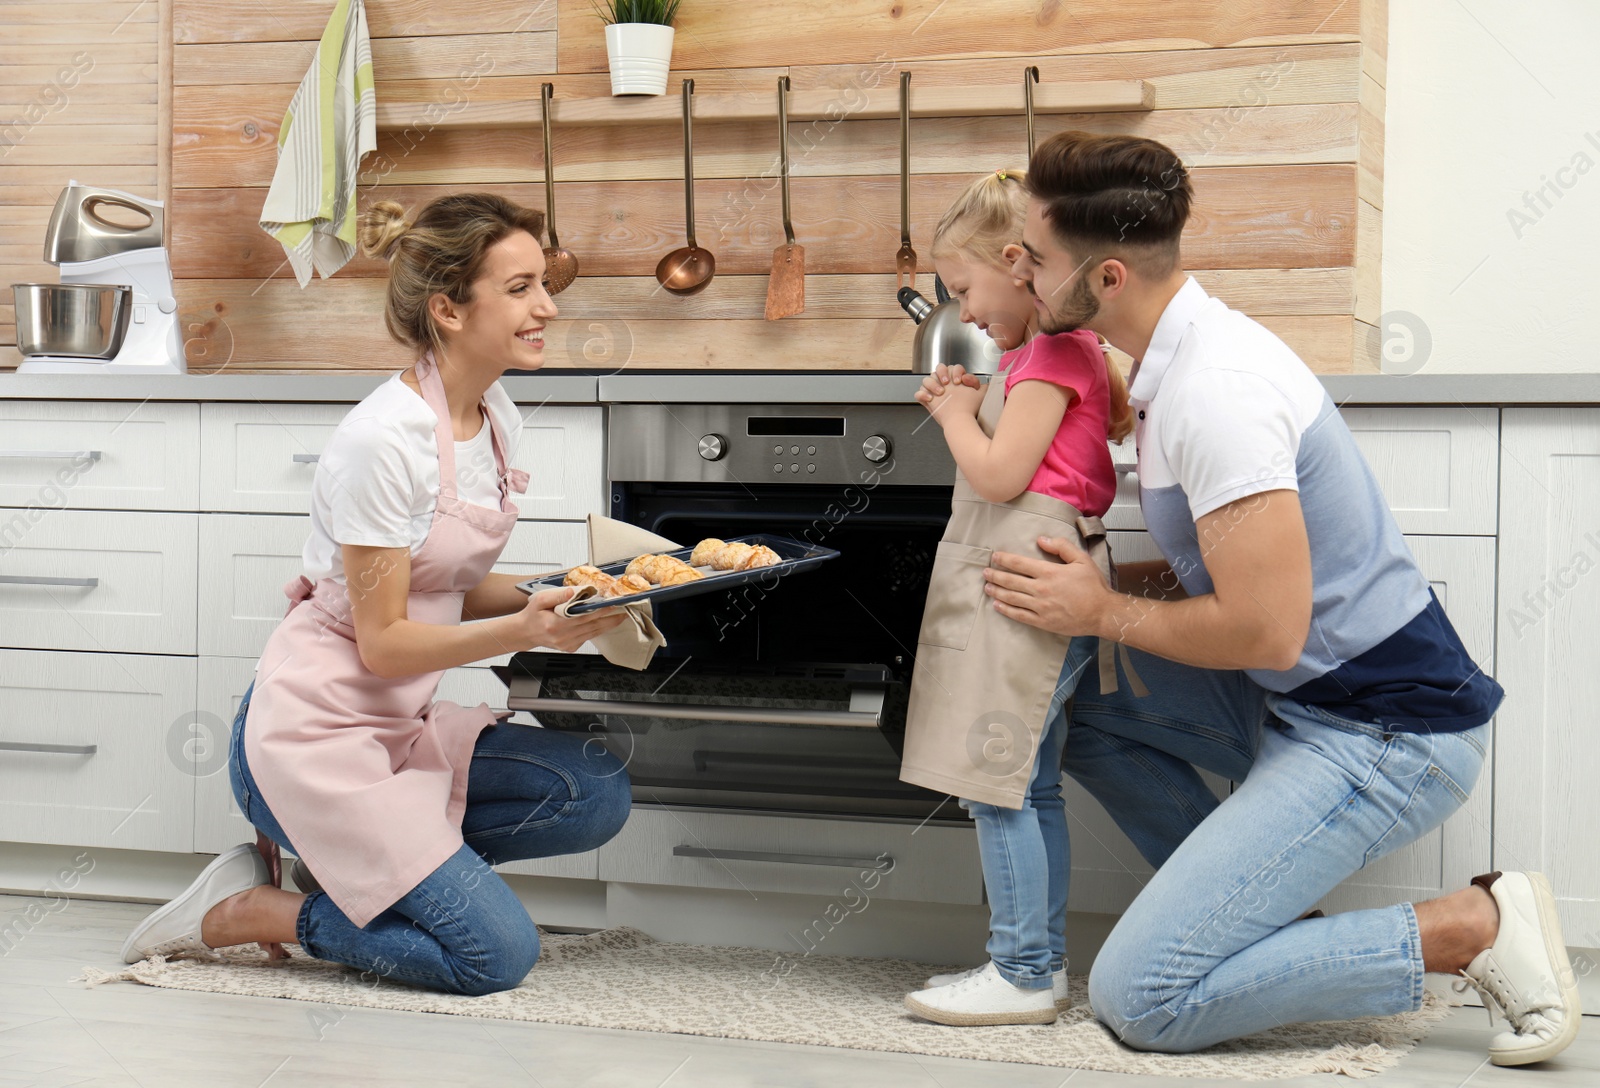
<point x="540" y="625"/>
<point x="943" y="380"/>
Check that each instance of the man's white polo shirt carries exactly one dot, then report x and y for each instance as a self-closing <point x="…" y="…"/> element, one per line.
<point x="1226" y="411"/>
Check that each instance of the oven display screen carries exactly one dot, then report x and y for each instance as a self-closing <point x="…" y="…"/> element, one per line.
<point x="795" y="426"/>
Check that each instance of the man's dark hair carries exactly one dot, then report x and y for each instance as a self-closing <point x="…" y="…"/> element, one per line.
<point x="1113" y="196"/>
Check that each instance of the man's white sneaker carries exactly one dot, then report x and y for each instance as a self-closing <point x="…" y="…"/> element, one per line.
<point x="1058" y="984"/>
<point x="175" y="927"/>
<point x="1526" y="974"/>
<point x="981" y="998"/>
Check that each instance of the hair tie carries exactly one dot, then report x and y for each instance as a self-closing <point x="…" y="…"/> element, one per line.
<point x="1001" y="174"/>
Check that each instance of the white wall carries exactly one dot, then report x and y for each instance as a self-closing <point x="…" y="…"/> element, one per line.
<point x="1488" y="101"/>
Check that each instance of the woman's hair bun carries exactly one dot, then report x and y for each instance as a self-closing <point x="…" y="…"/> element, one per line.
<point x="380" y="228"/>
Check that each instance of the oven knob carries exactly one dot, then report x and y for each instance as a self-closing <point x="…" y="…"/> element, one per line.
<point x="877" y="448"/>
<point x="713" y="446"/>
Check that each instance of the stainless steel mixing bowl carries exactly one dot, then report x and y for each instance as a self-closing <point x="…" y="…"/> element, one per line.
<point x="76" y="320"/>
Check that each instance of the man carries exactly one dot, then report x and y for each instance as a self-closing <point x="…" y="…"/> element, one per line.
<point x="1289" y="642"/>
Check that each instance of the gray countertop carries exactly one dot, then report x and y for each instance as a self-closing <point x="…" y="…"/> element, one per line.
<point x="814" y="387"/>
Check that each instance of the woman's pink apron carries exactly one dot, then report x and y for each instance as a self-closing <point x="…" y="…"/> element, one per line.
<point x="368" y="776"/>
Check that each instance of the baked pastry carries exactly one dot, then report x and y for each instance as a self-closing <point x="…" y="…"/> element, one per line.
<point x="704" y="550"/>
<point x="585" y="575"/>
<point x="663" y="570"/>
<point x="737" y="556"/>
<point x="633" y="583"/>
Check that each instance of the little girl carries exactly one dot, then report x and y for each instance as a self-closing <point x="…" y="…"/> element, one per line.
<point x="988" y="719"/>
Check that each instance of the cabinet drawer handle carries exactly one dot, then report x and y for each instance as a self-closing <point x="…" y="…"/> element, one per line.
<point x="306" y="458"/>
<point x="52" y="455"/>
<point x="42" y="580"/>
<point x="884" y="863"/>
<point x="53" y="749"/>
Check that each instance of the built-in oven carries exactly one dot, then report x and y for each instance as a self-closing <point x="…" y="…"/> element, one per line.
<point x="788" y="694"/>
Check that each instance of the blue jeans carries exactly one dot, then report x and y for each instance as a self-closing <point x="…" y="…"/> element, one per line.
<point x="1025" y="852"/>
<point x="531" y="793"/>
<point x="1213" y="948"/>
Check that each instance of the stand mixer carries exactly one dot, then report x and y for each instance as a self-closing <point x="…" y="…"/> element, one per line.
<point x="114" y="311"/>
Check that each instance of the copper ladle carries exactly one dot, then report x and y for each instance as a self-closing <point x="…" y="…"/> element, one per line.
<point x="560" y="266"/>
<point x="687" y="269"/>
<point x="905" y="260"/>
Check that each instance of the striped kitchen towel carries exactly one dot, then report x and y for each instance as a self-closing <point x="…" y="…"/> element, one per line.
<point x="330" y="124"/>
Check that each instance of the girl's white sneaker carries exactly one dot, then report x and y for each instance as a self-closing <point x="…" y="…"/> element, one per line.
<point x="982" y="998"/>
<point x="1058" y="984"/>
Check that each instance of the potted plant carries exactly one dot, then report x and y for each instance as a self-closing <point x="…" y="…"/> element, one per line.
<point x="638" y="43"/>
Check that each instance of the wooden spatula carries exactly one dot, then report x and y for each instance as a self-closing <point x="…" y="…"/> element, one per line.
<point x="786" y="290"/>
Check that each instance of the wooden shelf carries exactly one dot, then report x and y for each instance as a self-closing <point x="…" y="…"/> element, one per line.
<point x="1102" y="96"/>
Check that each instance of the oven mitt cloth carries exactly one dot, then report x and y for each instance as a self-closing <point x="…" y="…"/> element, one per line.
<point x="633" y="642"/>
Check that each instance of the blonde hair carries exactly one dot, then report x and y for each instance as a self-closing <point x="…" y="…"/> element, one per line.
<point x="987" y="217"/>
<point x="441" y="251"/>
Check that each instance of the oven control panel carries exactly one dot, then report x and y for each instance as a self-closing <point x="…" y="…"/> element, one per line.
<point x="825" y="444"/>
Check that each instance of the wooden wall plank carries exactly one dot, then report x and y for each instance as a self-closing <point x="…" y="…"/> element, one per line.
<point x="442" y="57"/>
<point x="238" y="148"/>
<point x="1245" y="217"/>
<point x="200" y="21"/>
<point x="249" y="340"/>
<point x="853" y="31"/>
<point x="112" y="12"/>
<point x="1183" y="79"/>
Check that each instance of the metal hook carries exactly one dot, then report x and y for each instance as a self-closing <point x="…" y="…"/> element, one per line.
<point x="1030" y="76"/>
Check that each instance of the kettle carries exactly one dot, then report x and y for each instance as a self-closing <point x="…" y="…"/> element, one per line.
<point x="943" y="338"/>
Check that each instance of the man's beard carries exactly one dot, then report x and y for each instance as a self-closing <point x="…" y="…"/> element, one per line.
<point x="1077" y="311"/>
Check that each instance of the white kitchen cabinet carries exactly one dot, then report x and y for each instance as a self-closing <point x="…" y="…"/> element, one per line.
<point x="1107" y="871"/>
<point x="91" y="752"/>
<point x="1435" y="466"/>
<point x="110" y="580"/>
<point x="261" y="458"/>
<point x="245" y="560"/>
<point x="1547" y="757"/>
<point x="99" y="455"/>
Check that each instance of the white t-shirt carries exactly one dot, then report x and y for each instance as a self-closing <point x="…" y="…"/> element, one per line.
<point x="377" y="481"/>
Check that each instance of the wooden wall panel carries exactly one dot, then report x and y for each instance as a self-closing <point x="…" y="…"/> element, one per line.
<point x="1277" y="107"/>
<point x="221" y="145"/>
<point x="79" y="98"/>
<point x="227" y="21"/>
<point x="910" y="30"/>
<point x="1259" y="217"/>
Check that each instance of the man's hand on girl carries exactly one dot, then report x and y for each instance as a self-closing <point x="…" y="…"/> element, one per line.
<point x="1068" y="598"/>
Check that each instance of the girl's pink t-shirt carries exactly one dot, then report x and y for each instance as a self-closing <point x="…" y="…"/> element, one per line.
<point x="1077" y="467"/>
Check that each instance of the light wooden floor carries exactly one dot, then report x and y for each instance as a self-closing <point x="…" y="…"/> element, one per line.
<point x="55" y="1032"/>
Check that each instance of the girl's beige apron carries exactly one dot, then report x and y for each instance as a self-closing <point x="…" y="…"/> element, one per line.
<point x="366" y="775"/>
<point x="984" y="683"/>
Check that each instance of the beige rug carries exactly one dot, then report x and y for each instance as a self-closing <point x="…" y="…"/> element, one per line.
<point x="621" y="978"/>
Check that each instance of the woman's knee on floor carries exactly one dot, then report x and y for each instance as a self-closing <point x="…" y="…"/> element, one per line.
<point x="505" y="956"/>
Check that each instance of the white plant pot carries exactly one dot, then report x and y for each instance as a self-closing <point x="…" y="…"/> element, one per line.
<point x="640" y="54"/>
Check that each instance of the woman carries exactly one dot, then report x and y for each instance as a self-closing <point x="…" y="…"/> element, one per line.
<point x="397" y="804"/>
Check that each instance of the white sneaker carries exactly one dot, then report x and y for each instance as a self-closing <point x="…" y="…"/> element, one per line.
<point x="1058" y="984"/>
<point x="1526" y="974"/>
<point x="175" y="927"/>
<point x="983" y="997"/>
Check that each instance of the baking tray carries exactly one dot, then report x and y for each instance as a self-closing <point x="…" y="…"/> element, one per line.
<point x="795" y="557"/>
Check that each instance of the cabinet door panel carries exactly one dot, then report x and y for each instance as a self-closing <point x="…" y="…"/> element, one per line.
<point x="1548" y="760"/>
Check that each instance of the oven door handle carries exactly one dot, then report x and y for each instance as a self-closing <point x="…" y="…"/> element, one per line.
<point x="866" y="710"/>
<point x="883" y="863"/>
